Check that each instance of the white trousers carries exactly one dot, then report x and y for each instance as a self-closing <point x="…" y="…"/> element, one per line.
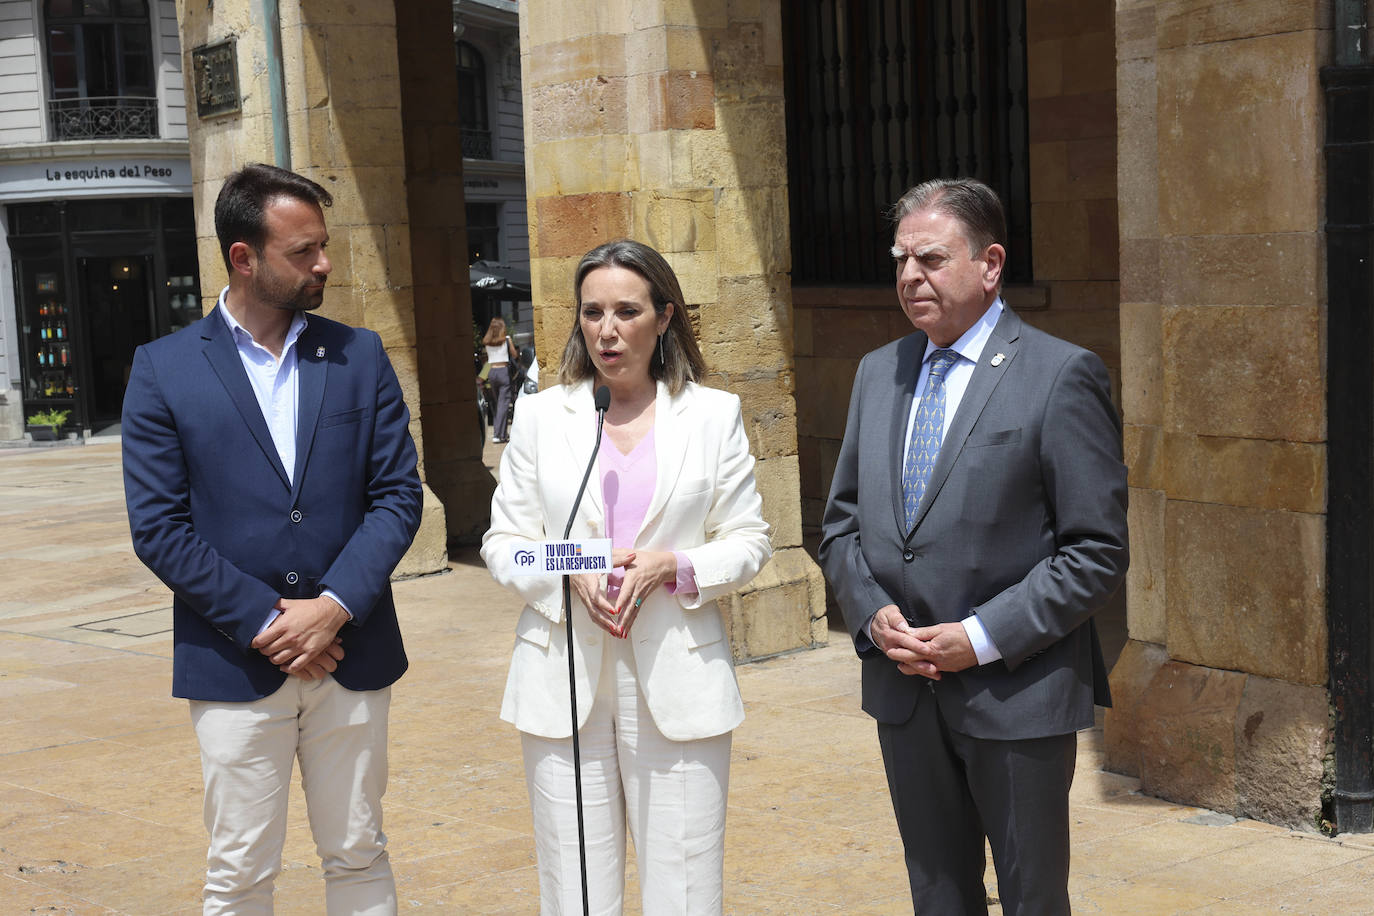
<point x="246" y="754"/>
<point x="673" y="792"/>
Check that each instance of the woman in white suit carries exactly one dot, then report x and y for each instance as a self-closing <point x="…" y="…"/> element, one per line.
<point x="673" y="488"/>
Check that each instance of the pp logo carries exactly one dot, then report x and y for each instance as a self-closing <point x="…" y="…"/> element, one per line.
<point x="524" y="558"/>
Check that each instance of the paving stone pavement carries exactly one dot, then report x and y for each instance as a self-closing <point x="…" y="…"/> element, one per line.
<point x="100" y="778"/>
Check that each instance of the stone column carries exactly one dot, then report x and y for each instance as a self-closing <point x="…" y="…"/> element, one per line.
<point x="1070" y="85"/>
<point x="343" y="116"/>
<point x="438" y="255"/>
<point x="1220" y="693"/>
<point x="662" y="120"/>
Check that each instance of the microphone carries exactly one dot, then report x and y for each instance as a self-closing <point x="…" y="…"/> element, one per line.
<point x="602" y="400"/>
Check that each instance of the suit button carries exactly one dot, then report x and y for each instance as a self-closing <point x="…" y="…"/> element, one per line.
<point x="292" y="578"/>
<point x="908" y="555"/>
<point x="296" y="515"/>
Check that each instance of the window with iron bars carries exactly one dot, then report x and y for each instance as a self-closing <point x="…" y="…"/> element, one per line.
<point x="885" y="94"/>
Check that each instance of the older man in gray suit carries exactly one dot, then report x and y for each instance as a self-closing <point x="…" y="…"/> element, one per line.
<point x="976" y="522"/>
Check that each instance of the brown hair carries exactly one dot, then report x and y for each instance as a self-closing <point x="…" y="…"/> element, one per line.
<point x="241" y="207"/>
<point x="681" y="361"/>
<point x="496" y="332"/>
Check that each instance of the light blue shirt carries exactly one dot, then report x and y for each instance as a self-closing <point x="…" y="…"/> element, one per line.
<point x="970" y="349"/>
<point x="276" y="384"/>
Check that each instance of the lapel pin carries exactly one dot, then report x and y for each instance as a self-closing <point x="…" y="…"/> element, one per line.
<point x="319" y="353"/>
<point x="997" y="360"/>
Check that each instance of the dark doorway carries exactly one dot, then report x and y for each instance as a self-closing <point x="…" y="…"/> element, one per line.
<point x="118" y="295"/>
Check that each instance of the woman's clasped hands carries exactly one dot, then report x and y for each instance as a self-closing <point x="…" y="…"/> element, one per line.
<point x="645" y="570"/>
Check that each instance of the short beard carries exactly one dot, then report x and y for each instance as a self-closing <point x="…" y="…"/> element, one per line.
<point x="299" y="299"/>
<point x="302" y="301"/>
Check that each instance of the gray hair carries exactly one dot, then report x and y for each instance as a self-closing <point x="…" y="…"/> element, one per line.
<point x="975" y="205"/>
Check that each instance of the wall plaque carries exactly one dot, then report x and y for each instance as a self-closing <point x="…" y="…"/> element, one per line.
<point x="216" y="78"/>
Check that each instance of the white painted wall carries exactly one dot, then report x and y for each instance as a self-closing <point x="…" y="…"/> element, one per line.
<point x="508" y="142"/>
<point x="171" y="86"/>
<point x="492" y="26"/>
<point x="11" y="394"/>
<point x="508" y="106"/>
<point x="21" y="93"/>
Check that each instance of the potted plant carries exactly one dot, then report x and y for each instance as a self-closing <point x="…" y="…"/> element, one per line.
<point x="46" y="425"/>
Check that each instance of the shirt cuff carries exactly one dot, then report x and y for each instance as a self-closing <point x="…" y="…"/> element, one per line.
<point x="686" y="583"/>
<point x="330" y="593"/>
<point x="983" y="646"/>
<point x="273" y="615"/>
<point x="867" y="634"/>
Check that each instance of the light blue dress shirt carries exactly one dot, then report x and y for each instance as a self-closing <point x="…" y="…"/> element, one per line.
<point x="276" y="384"/>
<point x="970" y="349"/>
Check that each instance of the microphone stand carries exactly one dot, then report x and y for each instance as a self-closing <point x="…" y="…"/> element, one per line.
<point x="603" y="403"/>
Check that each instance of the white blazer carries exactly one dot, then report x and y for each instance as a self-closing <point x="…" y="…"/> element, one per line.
<point x="704" y="504"/>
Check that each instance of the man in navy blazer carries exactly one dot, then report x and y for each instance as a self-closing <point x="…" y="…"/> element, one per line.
<point x="271" y="484"/>
<point x="976" y="522"/>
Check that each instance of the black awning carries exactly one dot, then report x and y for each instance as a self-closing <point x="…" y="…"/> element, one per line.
<point x="500" y="281"/>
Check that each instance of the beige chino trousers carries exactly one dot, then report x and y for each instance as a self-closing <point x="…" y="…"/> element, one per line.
<point x="247" y="751"/>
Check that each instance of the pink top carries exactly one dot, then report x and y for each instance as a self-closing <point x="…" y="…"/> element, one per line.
<point x="627" y="485"/>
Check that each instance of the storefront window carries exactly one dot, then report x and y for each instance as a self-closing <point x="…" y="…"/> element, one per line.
<point x="99" y="215"/>
<point x="35" y="219"/>
<point x="96" y="279"/>
<point x="49" y="369"/>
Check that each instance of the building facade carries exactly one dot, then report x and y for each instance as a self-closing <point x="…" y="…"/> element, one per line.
<point x="1168" y="168"/>
<point x="95" y="202"/>
<point x="486" y="37"/>
<point x="1162" y="163"/>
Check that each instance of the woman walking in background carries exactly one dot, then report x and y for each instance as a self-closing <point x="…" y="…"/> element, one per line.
<point x="501" y="359"/>
<point x="657" y="698"/>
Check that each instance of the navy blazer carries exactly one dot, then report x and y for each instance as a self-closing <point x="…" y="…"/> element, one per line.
<point x="214" y="516"/>
<point x="1023" y="523"/>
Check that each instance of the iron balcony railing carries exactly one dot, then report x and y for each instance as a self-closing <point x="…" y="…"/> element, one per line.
<point x="103" y="117"/>
<point x="476" y="143"/>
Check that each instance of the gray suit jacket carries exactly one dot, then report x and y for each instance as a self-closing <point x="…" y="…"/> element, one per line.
<point x="1023" y="522"/>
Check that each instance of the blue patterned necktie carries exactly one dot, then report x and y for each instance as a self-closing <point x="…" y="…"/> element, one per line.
<point x="926" y="434"/>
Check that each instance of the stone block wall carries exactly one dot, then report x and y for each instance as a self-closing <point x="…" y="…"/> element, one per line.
<point x="1071" y="86"/>
<point x="343" y="117"/>
<point x="1222" y="326"/>
<point x="663" y="121"/>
